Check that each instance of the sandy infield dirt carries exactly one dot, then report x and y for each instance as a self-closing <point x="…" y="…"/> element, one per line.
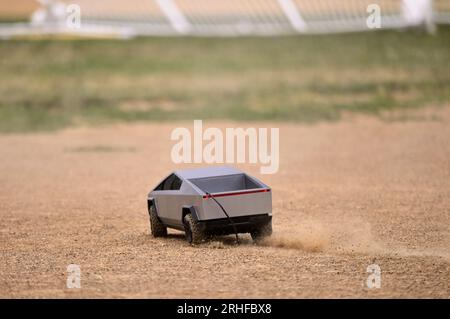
<point x="347" y="195"/>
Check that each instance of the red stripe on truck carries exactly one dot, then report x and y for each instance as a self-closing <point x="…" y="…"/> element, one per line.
<point x="237" y="193"/>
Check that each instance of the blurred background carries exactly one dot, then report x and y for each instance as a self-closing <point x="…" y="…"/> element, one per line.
<point x="63" y="63"/>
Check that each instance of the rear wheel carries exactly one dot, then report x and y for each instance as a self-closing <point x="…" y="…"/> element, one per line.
<point x="192" y="230"/>
<point x="262" y="232"/>
<point x="158" y="229"/>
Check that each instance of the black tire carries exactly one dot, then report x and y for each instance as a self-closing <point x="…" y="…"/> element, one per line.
<point x="192" y="230"/>
<point x="158" y="229"/>
<point x="262" y="232"/>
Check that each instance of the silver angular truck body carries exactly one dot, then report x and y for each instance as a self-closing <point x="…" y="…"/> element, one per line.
<point x="210" y="201"/>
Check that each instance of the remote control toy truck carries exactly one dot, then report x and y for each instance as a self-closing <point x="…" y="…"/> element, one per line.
<point x="211" y="201"/>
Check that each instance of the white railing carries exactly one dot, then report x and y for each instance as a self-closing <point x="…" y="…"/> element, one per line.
<point x="127" y="18"/>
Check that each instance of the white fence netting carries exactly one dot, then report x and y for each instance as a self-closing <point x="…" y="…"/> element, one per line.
<point x="441" y="9"/>
<point x="127" y="18"/>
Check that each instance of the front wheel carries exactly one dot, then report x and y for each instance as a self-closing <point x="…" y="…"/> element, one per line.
<point x="157" y="228"/>
<point x="192" y="230"/>
<point x="262" y="232"/>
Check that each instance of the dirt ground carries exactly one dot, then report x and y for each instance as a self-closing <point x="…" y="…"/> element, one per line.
<point x="348" y="194"/>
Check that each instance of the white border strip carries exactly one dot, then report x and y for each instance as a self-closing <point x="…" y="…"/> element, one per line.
<point x="291" y="12"/>
<point x="175" y="16"/>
